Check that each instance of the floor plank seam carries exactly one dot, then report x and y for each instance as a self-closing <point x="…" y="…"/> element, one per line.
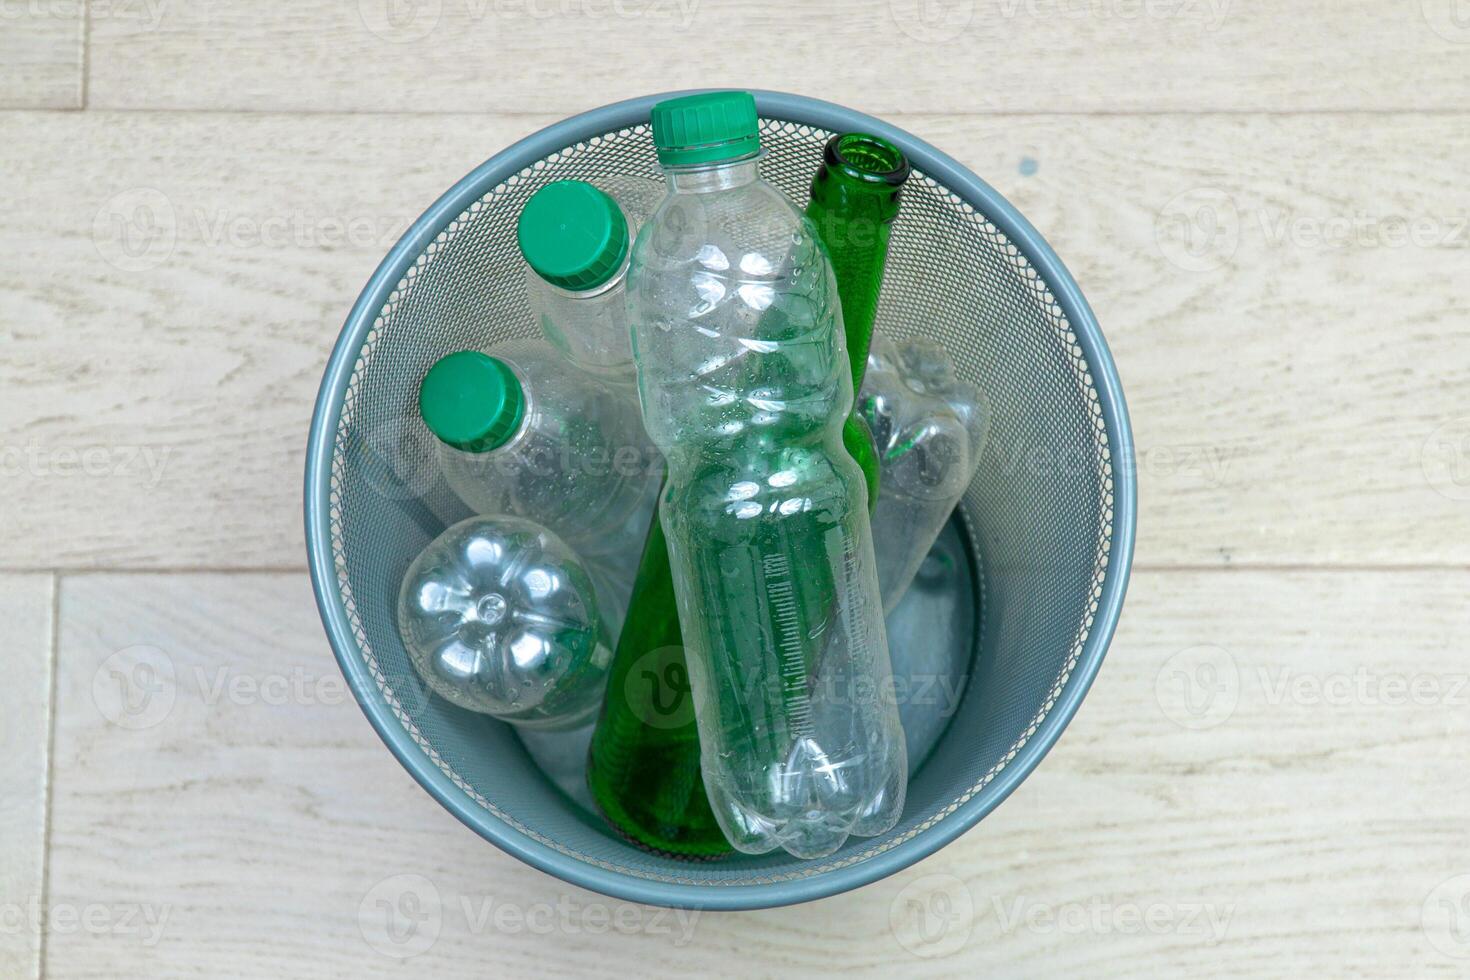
<point x="84" y="81"/>
<point x="48" y="789"/>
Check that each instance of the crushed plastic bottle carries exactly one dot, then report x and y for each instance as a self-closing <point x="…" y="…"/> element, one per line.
<point x="745" y="383"/>
<point x="499" y="617"/>
<point x="930" y="429"/>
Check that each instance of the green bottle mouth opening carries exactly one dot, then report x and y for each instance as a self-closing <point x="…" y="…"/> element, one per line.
<point x="867" y="158"/>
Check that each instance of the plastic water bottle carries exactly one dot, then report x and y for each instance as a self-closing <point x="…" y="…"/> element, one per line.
<point x="576" y="240"/>
<point x="930" y="429"/>
<point x="524" y="432"/>
<point x="644" y="768"/>
<point x="745" y="383"/>
<point x="499" y="616"/>
<point x="672" y="815"/>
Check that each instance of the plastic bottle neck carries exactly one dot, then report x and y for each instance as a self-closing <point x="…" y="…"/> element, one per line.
<point x="713" y="176"/>
<point x="596" y="292"/>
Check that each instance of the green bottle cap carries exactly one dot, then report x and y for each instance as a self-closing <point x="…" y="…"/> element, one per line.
<point x="472" y="401"/>
<point x="573" y="235"/>
<point x="705" y="128"/>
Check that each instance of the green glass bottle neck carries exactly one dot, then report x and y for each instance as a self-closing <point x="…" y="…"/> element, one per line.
<point x="862" y="176"/>
<point x="855" y="197"/>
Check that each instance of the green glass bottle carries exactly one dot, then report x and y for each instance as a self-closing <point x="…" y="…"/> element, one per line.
<point x="643" y="769"/>
<point x="854" y="201"/>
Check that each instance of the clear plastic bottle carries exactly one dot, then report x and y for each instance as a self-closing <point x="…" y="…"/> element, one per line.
<point x="930" y="429"/>
<point x="745" y="382"/>
<point x="576" y="239"/>
<point x="644" y="768"/>
<point x="499" y="617"/>
<point x="524" y="432"/>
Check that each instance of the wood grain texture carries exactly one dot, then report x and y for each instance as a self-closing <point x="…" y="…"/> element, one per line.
<point x="25" y="725"/>
<point x="41" y="54"/>
<point x="1297" y="808"/>
<point x="173" y="296"/>
<point x="882" y="55"/>
<point x="1285" y="297"/>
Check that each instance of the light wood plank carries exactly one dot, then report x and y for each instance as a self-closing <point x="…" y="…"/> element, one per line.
<point x="1287" y="300"/>
<point x="1300" y="823"/>
<point x="41" y="54"/>
<point x="878" y="55"/>
<point x="1314" y="815"/>
<point x="171" y="386"/>
<point x="1293" y="402"/>
<point x="25" y="728"/>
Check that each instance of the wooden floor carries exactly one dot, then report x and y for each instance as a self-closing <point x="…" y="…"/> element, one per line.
<point x="191" y="194"/>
